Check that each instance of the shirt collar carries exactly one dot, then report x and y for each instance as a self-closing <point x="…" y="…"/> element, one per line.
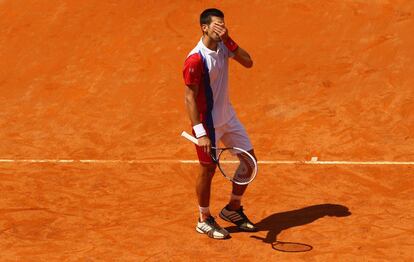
<point x="209" y="51"/>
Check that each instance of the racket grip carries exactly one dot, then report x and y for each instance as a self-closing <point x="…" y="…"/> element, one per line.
<point x="189" y="137"/>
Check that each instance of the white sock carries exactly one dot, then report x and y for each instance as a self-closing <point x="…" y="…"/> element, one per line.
<point x="204" y="210"/>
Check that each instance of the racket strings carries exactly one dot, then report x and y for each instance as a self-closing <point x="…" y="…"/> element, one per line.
<point x="246" y="168"/>
<point x="236" y="165"/>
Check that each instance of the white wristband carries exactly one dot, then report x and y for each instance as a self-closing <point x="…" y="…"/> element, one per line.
<point x="199" y="130"/>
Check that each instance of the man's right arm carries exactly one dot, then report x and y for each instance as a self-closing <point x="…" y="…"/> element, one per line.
<point x="190" y="102"/>
<point x="191" y="92"/>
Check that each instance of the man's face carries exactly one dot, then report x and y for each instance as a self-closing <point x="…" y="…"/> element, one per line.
<point x="208" y="29"/>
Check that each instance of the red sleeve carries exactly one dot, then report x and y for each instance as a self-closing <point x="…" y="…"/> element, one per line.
<point x="193" y="70"/>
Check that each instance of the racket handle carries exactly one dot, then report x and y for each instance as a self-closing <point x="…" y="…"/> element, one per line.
<point x="189" y="137"/>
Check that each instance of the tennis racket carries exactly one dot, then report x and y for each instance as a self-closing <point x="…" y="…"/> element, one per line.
<point x="236" y="164"/>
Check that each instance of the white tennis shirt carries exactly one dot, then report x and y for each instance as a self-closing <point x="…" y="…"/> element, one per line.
<point x="198" y="62"/>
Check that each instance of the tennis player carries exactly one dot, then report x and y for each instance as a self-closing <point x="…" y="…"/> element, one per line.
<point x="213" y="117"/>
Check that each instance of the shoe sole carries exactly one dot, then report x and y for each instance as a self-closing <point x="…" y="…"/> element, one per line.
<point x="202" y="232"/>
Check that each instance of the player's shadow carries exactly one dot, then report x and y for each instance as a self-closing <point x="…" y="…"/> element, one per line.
<point x="276" y="223"/>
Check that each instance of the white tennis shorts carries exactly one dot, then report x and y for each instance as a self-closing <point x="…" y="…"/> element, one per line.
<point x="233" y="134"/>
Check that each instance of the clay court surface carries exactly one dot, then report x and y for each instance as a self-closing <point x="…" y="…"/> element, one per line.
<point x="101" y="81"/>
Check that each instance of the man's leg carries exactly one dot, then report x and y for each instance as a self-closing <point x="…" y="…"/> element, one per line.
<point x="238" y="191"/>
<point x="207" y="224"/>
<point x="233" y="211"/>
<point x="203" y="187"/>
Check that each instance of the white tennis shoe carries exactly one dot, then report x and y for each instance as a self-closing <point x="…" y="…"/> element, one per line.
<point x="212" y="229"/>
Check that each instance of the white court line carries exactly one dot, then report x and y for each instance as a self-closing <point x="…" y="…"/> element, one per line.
<point x="158" y="161"/>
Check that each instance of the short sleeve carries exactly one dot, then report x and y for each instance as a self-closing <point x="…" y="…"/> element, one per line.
<point x="192" y="71"/>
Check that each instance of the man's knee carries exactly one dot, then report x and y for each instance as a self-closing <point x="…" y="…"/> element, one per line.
<point x="208" y="169"/>
<point x="251" y="152"/>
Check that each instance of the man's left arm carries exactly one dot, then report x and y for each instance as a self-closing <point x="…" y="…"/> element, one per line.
<point x="240" y="55"/>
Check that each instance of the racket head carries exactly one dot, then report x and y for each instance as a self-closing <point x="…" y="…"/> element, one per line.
<point x="236" y="164"/>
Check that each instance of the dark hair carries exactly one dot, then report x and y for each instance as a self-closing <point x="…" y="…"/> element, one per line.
<point x="205" y="17"/>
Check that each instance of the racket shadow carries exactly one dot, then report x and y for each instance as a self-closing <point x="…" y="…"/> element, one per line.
<point x="276" y="223"/>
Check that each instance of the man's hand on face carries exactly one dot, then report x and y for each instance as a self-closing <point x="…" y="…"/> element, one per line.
<point x="220" y="29"/>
